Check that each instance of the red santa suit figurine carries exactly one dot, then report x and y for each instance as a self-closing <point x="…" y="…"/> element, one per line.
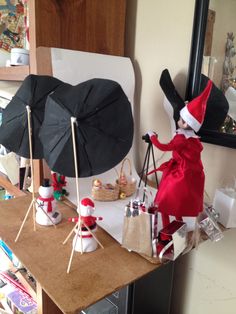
<point x="89" y="244"/>
<point x="181" y="188"/>
<point x="47" y="214"/>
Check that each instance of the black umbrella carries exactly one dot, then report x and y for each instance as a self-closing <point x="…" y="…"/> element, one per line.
<point x="217" y="104"/>
<point x="171" y="94"/>
<point x="14" y="129"/>
<point x="104" y="127"/>
<point x="217" y="107"/>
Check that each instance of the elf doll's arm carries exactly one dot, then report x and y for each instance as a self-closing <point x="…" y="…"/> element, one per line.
<point x="176" y="143"/>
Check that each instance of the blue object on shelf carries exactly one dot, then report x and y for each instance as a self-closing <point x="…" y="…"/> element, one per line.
<point x="6" y="249"/>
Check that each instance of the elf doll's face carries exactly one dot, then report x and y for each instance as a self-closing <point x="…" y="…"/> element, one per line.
<point x="182" y="124"/>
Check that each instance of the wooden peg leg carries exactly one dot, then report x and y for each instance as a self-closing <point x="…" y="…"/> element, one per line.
<point x="26" y="216"/>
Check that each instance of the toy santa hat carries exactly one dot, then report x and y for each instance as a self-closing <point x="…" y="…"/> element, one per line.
<point x="194" y="112"/>
<point x="87" y="202"/>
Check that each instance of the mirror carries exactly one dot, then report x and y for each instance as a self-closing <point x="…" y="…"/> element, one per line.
<point x="213" y="53"/>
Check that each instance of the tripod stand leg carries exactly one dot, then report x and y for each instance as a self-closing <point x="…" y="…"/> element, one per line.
<point x="69" y="235"/>
<point x="34" y="215"/>
<point x="165" y="219"/>
<point x="26" y="216"/>
<point x="93" y="235"/>
<point x="154" y="164"/>
<point x="144" y="164"/>
<point x="74" y="245"/>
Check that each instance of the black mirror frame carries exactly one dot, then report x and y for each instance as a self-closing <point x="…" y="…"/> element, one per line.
<point x="194" y="73"/>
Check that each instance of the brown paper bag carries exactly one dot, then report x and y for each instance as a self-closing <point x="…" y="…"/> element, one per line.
<point x="137" y="233"/>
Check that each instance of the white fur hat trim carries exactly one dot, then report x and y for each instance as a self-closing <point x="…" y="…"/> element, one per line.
<point x="190" y="119"/>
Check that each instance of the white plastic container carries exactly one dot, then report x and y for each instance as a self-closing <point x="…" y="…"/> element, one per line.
<point x="19" y="56"/>
<point x="225" y="205"/>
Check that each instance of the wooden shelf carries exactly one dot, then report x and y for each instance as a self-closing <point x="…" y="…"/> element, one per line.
<point x="14" y="73"/>
<point x="43" y="254"/>
<point x="12" y="189"/>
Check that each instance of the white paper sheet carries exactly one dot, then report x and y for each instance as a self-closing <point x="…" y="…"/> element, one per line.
<point x="10" y="167"/>
<point x="75" y="67"/>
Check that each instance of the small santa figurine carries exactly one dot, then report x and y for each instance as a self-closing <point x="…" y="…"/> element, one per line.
<point x="47" y="214"/>
<point x="88" y="221"/>
<point x="181" y="189"/>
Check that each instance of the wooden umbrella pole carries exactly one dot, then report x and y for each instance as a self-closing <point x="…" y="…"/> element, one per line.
<point x="73" y="121"/>
<point x="31" y="160"/>
<point x="78" y="225"/>
<point x="32" y="204"/>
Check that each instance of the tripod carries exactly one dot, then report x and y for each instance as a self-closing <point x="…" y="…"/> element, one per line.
<point x="144" y="172"/>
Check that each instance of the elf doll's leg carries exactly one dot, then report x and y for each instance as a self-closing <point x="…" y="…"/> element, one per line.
<point x="179" y="218"/>
<point x="165" y="219"/>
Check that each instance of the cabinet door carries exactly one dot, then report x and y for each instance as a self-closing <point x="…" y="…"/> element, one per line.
<point x="87" y="25"/>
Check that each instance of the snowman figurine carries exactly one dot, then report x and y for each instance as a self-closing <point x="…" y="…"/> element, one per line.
<point x="88" y="242"/>
<point x="47" y="214"/>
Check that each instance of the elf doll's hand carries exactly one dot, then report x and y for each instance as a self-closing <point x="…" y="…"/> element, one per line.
<point x="151" y="133"/>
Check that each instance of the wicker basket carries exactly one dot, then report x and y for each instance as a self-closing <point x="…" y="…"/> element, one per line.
<point x="129" y="187"/>
<point x="106" y="192"/>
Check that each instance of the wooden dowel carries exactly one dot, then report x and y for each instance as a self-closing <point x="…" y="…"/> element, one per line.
<point x="74" y="245"/>
<point x="31" y="161"/>
<point x="22" y="225"/>
<point x="69" y="235"/>
<point x="73" y="122"/>
<point x="93" y="235"/>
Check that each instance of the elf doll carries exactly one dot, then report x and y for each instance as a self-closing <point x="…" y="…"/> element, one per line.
<point x="181" y="189"/>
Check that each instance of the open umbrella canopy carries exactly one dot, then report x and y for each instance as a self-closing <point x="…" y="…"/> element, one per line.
<point x="171" y="94"/>
<point x="217" y="104"/>
<point x="217" y="107"/>
<point x="104" y="127"/>
<point x="14" y="129"/>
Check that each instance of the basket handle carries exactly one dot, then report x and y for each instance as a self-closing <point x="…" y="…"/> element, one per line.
<point x="117" y="173"/>
<point x="122" y="166"/>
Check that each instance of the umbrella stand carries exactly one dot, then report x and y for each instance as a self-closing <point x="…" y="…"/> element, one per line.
<point x="33" y="202"/>
<point x="78" y="225"/>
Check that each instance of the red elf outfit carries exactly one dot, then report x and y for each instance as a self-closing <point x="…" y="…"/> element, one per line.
<point x="181" y="188"/>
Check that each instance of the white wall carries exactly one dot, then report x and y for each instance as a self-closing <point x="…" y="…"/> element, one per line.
<point x="159" y="37"/>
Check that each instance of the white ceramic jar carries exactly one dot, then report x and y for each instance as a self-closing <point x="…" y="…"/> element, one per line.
<point x="19" y="56"/>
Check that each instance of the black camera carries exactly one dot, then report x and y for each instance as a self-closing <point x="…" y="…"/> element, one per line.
<point x="146" y="138"/>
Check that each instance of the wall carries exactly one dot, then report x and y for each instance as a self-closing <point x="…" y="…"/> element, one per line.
<point x="159" y="37"/>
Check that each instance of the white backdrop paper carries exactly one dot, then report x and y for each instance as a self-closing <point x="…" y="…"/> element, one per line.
<point x="75" y="67"/>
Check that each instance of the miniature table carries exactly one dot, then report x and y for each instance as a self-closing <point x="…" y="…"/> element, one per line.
<point x="92" y="277"/>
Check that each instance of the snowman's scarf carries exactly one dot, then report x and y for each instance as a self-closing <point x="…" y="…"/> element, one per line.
<point x="47" y="200"/>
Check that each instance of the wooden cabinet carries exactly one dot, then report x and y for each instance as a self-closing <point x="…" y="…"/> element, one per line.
<point x="86" y="25"/>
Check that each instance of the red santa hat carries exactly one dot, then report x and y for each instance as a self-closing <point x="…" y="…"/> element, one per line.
<point x="87" y="202"/>
<point x="194" y="112"/>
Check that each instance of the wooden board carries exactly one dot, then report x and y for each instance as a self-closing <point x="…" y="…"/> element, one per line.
<point x="93" y="275"/>
<point x="14" y="73"/>
<point x="12" y="189"/>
